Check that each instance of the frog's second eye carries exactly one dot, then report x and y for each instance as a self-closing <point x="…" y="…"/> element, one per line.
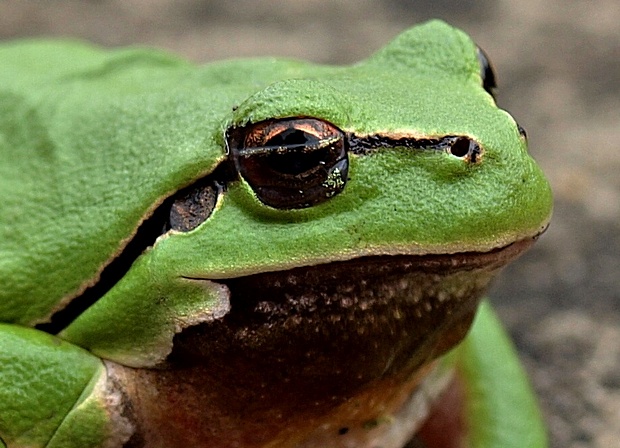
<point x="292" y="162"/>
<point x="486" y="73"/>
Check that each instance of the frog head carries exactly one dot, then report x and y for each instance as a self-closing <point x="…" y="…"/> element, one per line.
<point x="311" y="238"/>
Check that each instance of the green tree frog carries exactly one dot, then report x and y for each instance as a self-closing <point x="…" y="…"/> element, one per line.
<point x="260" y="252"/>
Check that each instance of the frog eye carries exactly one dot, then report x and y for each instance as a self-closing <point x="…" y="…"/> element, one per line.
<point x="292" y="162"/>
<point x="486" y="72"/>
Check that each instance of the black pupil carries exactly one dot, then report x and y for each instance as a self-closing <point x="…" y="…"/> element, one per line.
<point x="299" y="157"/>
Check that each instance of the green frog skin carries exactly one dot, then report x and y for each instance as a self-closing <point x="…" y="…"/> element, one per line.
<point x="260" y="253"/>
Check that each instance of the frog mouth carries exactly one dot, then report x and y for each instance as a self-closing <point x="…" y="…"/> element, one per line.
<point x="318" y="350"/>
<point x="320" y="333"/>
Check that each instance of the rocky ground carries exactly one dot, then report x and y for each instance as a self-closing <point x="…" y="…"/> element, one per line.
<point x="559" y="72"/>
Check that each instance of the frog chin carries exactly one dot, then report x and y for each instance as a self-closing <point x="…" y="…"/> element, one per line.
<point x="323" y="353"/>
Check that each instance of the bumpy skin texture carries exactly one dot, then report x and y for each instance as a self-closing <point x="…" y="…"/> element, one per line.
<point x="92" y="141"/>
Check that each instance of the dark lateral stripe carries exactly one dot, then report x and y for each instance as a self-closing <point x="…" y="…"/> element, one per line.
<point x="145" y="236"/>
<point x="366" y="144"/>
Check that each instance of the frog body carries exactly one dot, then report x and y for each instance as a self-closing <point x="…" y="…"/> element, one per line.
<point x="282" y="250"/>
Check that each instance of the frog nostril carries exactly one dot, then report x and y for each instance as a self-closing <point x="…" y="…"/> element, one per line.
<point x="464" y="148"/>
<point x="460" y="148"/>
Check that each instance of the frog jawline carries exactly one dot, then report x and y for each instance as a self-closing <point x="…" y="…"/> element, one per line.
<point x="283" y="293"/>
<point x="339" y="293"/>
<point x="352" y="342"/>
<point x="346" y="296"/>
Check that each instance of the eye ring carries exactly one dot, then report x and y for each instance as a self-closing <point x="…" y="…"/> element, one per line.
<point x="292" y="162"/>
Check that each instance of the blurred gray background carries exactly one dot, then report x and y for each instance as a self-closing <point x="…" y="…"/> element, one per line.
<point x="558" y="64"/>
